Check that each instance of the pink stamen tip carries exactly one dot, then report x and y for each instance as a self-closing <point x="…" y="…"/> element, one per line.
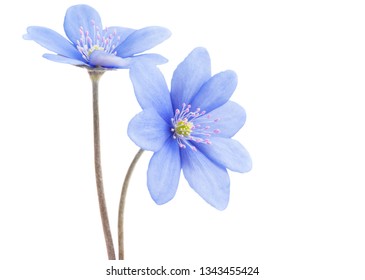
<point x="216" y="131"/>
<point x="93" y="22"/>
<point x="193" y="148"/>
<point x="216" y="120"/>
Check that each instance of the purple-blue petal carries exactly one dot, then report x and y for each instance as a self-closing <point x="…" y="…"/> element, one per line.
<point x="81" y="16"/>
<point x="52" y="41"/>
<point x="216" y="91"/>
<point x="189" y="76"/>
<point x="209" y="180"/>
<point x="164" y="172"/>
<point x="117" y="33"/>
<point x="149" y="58"/>
<point x="151" y="90"/>
<point x="148" y="130"/>
<point x="106" y="60"/>
<point x="231" y="117"/>
<point x="63" y="59"/>
<point x="228" y="153"/>
<point x="142" y="39"/>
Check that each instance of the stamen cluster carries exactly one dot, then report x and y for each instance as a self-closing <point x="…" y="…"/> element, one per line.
<point x="106" y="42"/>
<point x="193" y="126"/>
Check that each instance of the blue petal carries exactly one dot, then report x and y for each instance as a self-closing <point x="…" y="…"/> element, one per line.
<point x="143" y="39"/>
<point x="62" y="59"/>
<point x="164" y="172"/>
<point x="81" y="16"/>
<point x="151" y="89"/>
<point x="117" y="33"/>
<point x="52" y="41"/>
<point x="216" y="91"/>
<point x="148" y="130"/>
<point x="103" y="59"/>
<point x="150" y="58"/>
<point x="231" y="117"/>
<point x="189" y="76"/>
<point x="228" y="153"/>
<point x="209" y="180"/>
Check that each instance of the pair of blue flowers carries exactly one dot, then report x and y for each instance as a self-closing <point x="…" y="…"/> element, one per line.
<point x="188" y="127"/>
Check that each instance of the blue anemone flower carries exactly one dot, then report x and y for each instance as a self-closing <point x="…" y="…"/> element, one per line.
<point x="91" y="45"/>
<point x="189" y="128"/>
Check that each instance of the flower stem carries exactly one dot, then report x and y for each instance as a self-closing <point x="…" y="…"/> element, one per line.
<point x="95" y="77"/>
<point x="122" y="204"/>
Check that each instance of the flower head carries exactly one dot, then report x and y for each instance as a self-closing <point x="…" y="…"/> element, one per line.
<point x="189" y="128"/>
<point x="90" y="45"/>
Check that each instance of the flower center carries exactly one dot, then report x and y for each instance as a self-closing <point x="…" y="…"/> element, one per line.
<point x="183" y="128"/>
<point x="102" y="40"/>
<point x="189" y="127"/>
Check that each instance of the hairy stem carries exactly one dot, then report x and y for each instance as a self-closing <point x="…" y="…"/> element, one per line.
<point x="95" y="77"/>
<point x="122" y="204"/>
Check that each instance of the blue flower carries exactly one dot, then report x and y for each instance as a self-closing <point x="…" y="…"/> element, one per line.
<point x="189" y="128"/>
<point x="92" y="46"/>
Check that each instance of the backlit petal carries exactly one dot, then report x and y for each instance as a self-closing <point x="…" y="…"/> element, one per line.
<point x="118" y="33"/>
<point x="228" y="153"/>
<point x="142" y="39"/>
<point x="164" y="172"/>
<point x="148" y="130"/>
<point x="231" y="117"/>
<point x="149" y="58"/>
<point x="189" y="76"/>
<point x="62" y="59"/>
<point x="103" y="59"/>
<point x="209" y="180"/>
<point x="151" y="89"/>
<point x="52" y="41"/>
<point x="216" y="91"/>
<point x="81" y="16"/>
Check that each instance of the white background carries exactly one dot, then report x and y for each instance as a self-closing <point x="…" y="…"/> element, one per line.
<point x="299" y="214"/>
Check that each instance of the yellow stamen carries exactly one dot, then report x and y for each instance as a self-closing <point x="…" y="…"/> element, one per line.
<point x="183" y="128"/>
